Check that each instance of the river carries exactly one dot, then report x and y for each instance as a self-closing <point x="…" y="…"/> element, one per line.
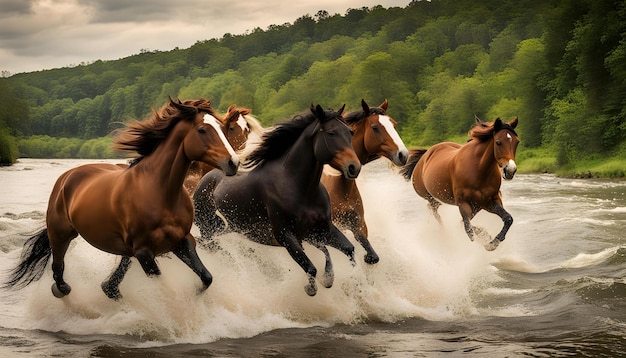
<point x="555" y="287"/>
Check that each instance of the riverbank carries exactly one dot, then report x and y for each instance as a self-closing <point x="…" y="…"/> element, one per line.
<point x="538" y="161"/>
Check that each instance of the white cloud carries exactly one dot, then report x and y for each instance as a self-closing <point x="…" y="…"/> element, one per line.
<point x="44" y="34"/>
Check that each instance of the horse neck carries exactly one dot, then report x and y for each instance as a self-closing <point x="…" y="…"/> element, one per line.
<point x="167" y="166"/>
<point x="300" y="164"/>
<point x="358" y="143"/>
<point x="483" y="151"/>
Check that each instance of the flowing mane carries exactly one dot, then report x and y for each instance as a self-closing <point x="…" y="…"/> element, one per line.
<point x="276" y="141"/>
<point x="145" y="136"/>
<point x="484" y="130"/>
<point x="255" y="125"/>
<point x="203" y="105"/>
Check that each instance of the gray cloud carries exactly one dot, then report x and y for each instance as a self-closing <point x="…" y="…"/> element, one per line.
<point x="43" y="34"/>
<point x="9" y="7"/>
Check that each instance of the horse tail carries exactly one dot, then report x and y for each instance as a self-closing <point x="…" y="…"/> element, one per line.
<point x="414" y="156"/>
<point x="35" y="256"/>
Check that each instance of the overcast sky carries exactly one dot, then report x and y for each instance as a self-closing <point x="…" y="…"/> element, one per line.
<point x="44" y="34"/>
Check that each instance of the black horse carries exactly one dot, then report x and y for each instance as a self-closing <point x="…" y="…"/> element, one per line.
<point x="281" y="201"/>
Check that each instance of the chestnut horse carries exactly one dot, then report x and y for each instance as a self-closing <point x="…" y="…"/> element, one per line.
<point x="281" y="201"/>
<point x="469" y="175"/>
<point x="140" y="210"/>
<point x="237" y="125"/>
<point x="374" y="136"/>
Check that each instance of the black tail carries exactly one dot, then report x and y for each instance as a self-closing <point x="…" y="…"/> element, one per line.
<point x="414" y="156"/>
<point x="35" y="256"/>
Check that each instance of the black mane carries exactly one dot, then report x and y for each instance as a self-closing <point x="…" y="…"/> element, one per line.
<point x="279" y="139"/>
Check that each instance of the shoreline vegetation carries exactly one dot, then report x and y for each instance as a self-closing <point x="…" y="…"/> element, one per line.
<point x="530" y="161"/>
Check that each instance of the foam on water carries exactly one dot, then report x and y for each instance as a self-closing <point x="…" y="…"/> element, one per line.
<point x="427" y="270"/>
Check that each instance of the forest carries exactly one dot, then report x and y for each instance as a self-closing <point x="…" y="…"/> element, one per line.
<point x="558" y="65"/>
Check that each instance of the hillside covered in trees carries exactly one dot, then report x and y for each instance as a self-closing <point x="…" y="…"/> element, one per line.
<point x="559" y="65"/>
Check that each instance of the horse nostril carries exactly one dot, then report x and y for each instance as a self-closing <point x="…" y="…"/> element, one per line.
<point x="233" y="165"/>
<point x="402" y="158"/>
<point x="353" y="171"/>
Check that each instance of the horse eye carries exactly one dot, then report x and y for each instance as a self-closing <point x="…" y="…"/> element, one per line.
<point x="498" y="142"/>
<point x="201" y="130"/>
<point x="376" y="128"/>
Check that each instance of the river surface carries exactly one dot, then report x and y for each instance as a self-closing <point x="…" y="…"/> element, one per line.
<point x="555" y="287"/>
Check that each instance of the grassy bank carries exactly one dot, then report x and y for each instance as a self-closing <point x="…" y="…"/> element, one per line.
<point x="544" y="161"/>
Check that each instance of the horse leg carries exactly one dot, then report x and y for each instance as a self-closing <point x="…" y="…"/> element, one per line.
<point x="340" y="242"/>
<point x="508" y="221"/>
<point x="111" y="285"/>
<point x="467" y="215"/>
<point x="60" y="288"/>
<point x="295" y="249"/>
<point x="147" y="262"/>
<point x="186" y="252"/>
<point x="329" y="275"/>
<point x="433" y="205"/>
<point x="360" y="233"/>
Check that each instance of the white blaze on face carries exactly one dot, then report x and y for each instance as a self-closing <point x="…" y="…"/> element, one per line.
<point x="212" y="121"/>
<point x="242" y="123"/>
<point x="509" y="136"/>
<point x="386" y="122"/>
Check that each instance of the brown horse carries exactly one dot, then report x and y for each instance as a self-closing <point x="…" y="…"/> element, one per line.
<point x="374" y="136"/>
<point x="139" y="211"/>
<point x="237" y="125"/>
<point x="468" y="176"/>
<point x="280" y="201"/>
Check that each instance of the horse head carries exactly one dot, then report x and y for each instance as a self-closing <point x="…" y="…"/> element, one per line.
<point x="235" y="127"/>
<point x="333" y="142"/>
<point x="207" y="142"/>
<point x="380" y="137"/>
<point x="505" y="145"/>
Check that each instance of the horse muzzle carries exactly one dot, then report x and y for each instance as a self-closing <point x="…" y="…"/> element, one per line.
<point x="352" y="170"/>
<point x="347" y="163"/>
<point x="400" y="157"/>
<point x="509" y="170"/>
<point x="230" y="166"/>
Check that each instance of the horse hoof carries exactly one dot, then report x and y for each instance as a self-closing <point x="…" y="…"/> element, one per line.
<point x="371" y="259"/>
<point x="206" y="282"/>
<point x="328" y="280"/>
<point x="310" y="290"/>
<point x="492" y="245"/>
<point x="60" y="292"/>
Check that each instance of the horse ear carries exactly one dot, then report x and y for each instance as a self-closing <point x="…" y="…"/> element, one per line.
<point x="235" y="116"/>
<point x="513" y="123"/>
<point x="342" y="109"/>
<point x="318" y="111"/>
<point x="231" y="108"/>
<point x="176" y="103"/>
<point x="497" y="124"/>
<point x="478" y="121"/>
<point x="384" y="105"/>
<point x="365" y="107"/>
<point x="184" y="109"/>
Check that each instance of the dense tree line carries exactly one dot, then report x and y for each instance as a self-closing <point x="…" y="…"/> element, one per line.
<point x="559" y="65"/>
